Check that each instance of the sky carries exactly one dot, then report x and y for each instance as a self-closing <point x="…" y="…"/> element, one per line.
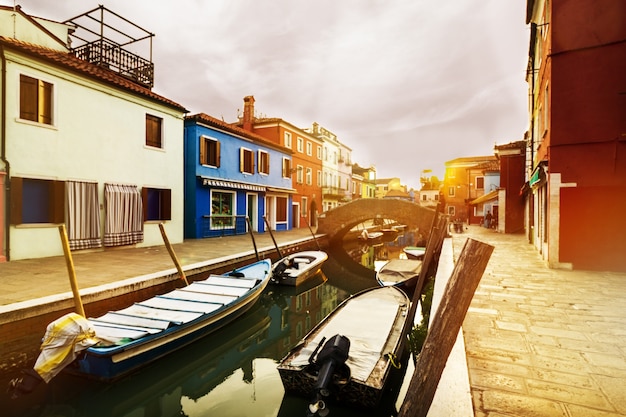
<point x="406" y="84"/>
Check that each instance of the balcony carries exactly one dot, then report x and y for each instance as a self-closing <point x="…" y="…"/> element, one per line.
<point x="107" y="44"/>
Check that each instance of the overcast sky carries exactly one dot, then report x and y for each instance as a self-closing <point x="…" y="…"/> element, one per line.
<point x="407" y="84"/>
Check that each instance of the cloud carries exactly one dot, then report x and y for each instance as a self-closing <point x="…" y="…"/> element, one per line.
<point x="407" y="84"/>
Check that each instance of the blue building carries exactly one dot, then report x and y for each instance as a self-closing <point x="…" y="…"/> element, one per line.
<point x="232" y="175"/>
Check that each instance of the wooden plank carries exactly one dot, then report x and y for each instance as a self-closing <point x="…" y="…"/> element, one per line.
<point x="445" y="327"/>
<point x="185" y="294"/>
<point x="174" y="317"/>
<point x="125" y="320"/>
<point x="230" y="282"/>
<point x="218" y="289"/>
<point x="180" y="305"/>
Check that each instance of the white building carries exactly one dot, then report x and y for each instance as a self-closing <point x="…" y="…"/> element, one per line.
<point x="83" y="144"/>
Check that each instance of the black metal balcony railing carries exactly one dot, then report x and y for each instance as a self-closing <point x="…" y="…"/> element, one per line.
<point x="108" y="54"/>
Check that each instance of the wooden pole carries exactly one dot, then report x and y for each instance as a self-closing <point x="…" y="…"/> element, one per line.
<point x="280" y="255"/>
<point x="170" y="249"/>
<point x="445" y="327"/>
<point x="312" y="234"/>
<point x="70" y="269"/>
<point x="256" y="252"/>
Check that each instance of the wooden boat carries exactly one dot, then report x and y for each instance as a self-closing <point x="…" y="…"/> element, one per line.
<point x="414" y="252"/>
<point x="146" y="331"/>
<point x="399" y="272"/>
<point x="298" y="267"/>
<point x="370" y="236"/>
<point x="372" y="321"/>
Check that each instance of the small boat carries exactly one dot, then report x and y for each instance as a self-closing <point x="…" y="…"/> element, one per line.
<point x="369" y="236"/>
<point x="363" y="335"/>
<point x="414" y="252"/>
<point x="298" y="267"/>
<point x="120" y="342"/>
<point x="399" y="273"/>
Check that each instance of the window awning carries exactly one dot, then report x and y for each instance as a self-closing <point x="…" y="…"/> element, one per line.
<point x="492" y="195"/>
<point x="281" y="190"/>
<point x="231" y="184"/>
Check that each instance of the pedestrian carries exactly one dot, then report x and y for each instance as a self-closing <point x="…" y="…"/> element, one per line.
<point x="488" y="218"/>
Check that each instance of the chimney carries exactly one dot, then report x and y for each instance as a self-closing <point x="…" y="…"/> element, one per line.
<point x="248" y="112"/>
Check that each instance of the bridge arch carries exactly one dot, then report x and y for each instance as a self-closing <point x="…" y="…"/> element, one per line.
<point x="337" y="222"/>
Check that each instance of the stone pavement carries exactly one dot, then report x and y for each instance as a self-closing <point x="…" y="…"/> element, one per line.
<point x="543" y="342"/>
<point x="29" y="279"/>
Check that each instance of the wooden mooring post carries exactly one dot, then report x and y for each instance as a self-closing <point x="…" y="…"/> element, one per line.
<point x="442" y="334"/>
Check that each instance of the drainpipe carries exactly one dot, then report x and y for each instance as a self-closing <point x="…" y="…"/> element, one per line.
<point x="3" y="158"/>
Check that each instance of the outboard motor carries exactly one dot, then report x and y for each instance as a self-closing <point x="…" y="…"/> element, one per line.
<point x="334" y="353"/>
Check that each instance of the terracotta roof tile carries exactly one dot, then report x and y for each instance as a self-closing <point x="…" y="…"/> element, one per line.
<point x="70" y="62"/>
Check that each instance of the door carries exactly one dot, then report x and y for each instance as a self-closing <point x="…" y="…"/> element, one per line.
<point x="251" y="212"/>
<point x="295" y="215"/>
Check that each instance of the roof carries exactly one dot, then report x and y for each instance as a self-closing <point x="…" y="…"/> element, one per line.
<point x="69" y="62"/>
<point x="232" y="128"/>
<point x="470" y="161"/>
<point x="396" y="193"/>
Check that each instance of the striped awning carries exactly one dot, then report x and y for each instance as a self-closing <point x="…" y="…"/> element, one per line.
<point x="231" y="184"/>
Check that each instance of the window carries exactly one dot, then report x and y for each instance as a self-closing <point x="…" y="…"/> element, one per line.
<point x="288" y="140"/>
<point x="300" y="144"/>
<point x="480" y="183"/>
<point x="281" y="209"/>
<point x="286" y="168"/>
<point x="37" y="201"/>
<point x="319" y="152"/>
<point x="309" y="148"/>
<point x="157" y="203"/>
<point x="424" y="197"/>
<point x="246" y="161"/>
<point x="264" y="162"/>
<point x="153" y="131"/>
<point x="35" y="100"/>
<point x="309" y="176"/>
<point x="451" y="191"/>
<point x="451" y="210"/>
<point x="303" y="207"/>
<point x="319" y="178"/>
<point x="125" y="211"/>
<point x="222" y="209"/>
<point x="209" y="151"/>
<point x="299" y="174"/>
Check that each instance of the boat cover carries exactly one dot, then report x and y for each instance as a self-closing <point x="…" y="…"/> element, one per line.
<point x="64" y="338"/>
<point x="366" y="321"/>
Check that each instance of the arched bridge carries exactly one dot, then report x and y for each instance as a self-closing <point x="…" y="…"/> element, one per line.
<point x="337" y="222"/>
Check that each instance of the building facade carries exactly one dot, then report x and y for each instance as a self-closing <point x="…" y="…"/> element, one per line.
<point x="576" y="196"/>
<point x="306" y="157"/>
<point x="235" y="180"/>
<point x="86" y="145"/>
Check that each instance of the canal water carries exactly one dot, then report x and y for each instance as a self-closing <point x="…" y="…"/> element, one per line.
<point x="231" y="372"/>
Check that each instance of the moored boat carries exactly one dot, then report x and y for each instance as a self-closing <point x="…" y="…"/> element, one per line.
<point x="414" y="252"/>
<point x="120" y="342"/>
<point x="364" y="336"/>
<point x="298" y="267"/>
<point x="399" y="272"/>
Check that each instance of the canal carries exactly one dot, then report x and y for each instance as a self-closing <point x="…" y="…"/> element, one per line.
<point x="232" y="372"/>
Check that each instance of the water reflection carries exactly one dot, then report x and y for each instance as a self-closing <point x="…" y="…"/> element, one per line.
<point x="231" y="372"/>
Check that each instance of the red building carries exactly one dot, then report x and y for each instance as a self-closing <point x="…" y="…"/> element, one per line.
<point x="512" y="157"/>
<point x="577" y="139"/>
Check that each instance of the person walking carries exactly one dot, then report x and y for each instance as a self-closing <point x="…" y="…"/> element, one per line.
<point x="488" y="218"/>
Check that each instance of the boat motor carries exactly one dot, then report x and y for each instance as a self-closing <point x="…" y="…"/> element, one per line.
<point x="334" y="353"/>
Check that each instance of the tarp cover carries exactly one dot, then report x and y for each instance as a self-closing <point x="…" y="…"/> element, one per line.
<point x="64" y="338"/>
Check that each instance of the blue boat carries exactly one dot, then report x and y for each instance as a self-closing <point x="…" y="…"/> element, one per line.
<point x="131" y="338"/>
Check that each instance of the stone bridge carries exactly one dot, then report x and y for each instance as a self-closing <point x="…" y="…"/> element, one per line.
<point x="337" y="222"/>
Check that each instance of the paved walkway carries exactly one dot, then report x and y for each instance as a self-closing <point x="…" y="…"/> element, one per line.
<point x="29" y="279"/>
<point x="543" y="342"/>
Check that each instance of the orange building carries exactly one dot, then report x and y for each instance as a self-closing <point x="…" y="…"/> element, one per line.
<point x="306" y="166"/>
